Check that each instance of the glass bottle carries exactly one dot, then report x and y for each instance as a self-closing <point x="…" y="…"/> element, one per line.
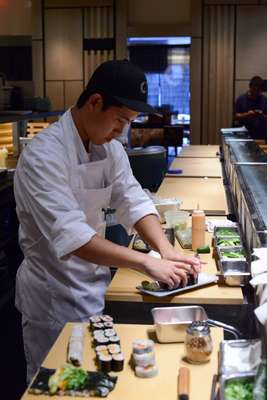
<point x="198" y="342"/>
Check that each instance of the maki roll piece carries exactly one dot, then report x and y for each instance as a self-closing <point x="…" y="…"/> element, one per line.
<point x="117" y="362"/>
<point x="109" y="332"/>
<point x="145" y="359"/>
<point x="114" y="339"/>
<point x="191" y="279"/>
<point x="94" y="319"/>
<point x="104" y="362"/>
<point x="101" y="340"/>
<point x="141" y="346"/>
<point x="106" y="318"/>
<point x="100" y="348"/>
<point x="114" y="349"/>
<point x="97" y="325"/>
<point x="108" y="325"/>
<point x="146" y="372"/>
<point x="99" y="332"/>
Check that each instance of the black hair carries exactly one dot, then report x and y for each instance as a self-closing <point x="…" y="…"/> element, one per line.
<point x="256" y="81"/>
<point x="108" y="101"/>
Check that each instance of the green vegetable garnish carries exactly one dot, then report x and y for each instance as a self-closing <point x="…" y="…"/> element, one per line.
<point x="233" y="254"/>
<point x="239" y="389"/>
<point x="152" y="286"/>
<point x="229" y="242"/>
<point x="220" y="232"/>
<point x="203" y="249"/>
<point x="68" y="378"/>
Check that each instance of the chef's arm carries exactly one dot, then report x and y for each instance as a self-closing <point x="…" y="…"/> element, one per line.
<point x="150" y="230"/>
<point x="245" y="115"/>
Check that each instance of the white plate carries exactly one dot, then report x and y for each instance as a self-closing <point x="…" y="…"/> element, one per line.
<point x="203" y="279"/>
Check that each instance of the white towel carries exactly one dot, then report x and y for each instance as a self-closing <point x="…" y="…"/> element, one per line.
<point x="258" y="267"/>
<point x="261" y="313"/>
<point x="260" y="279"/>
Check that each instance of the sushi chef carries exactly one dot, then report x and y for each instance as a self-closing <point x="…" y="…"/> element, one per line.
<point x="65" y="179"/>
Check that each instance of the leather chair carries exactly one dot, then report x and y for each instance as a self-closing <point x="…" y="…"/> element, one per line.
<point x="149" y="165"/>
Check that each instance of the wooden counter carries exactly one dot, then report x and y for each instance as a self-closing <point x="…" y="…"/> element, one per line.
<point x="197" y="167"/>
<point x="123" y="286"/>
<point x="206" y="151"/>
<point x="169" y="358"/>
<point x="207" y="192"/>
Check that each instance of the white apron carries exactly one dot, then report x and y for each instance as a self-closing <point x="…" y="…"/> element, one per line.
<point x="64" y="290"/>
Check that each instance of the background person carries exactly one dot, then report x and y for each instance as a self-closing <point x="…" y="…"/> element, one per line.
<point x="251" y="109"/>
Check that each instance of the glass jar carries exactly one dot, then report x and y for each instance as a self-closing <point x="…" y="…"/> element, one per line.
<point x="198" y="342"/>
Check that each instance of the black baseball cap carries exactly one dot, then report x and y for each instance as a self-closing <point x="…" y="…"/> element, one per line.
<point x="123" y="81"/>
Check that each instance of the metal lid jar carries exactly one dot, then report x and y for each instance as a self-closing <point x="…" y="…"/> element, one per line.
<point x="198" y="342"/>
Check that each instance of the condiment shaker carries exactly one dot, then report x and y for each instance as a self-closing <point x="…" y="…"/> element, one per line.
<point x="198" y="342"/>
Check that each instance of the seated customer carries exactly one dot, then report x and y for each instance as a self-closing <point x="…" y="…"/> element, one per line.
<point x="251" y="109"/>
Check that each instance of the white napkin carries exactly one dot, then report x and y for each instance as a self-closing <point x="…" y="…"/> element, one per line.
<point x="260" y="279"/>
<point x="263" y="295"/>
<point x="211" y="223"/>
<point x="260" y="252"/>
<point x="261" y="313"/>
<point x="258" y="267"/>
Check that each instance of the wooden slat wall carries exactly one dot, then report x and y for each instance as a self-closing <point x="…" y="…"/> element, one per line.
<point x="98" y="24"/>
<point x="35" y="127"/>
<point x="218" y="69"/>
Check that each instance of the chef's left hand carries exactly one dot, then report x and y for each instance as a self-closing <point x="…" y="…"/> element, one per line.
<point x="173" y="255"/>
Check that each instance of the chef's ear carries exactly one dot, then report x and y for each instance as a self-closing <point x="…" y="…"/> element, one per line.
<point x="95" y="102"/>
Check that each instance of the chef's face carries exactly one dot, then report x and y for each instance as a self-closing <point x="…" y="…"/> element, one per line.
<point x="105" y="125"/>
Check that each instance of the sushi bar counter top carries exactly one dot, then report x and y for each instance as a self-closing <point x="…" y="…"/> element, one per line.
<point x="209" y="193"/>
<point x="169" y="358"/>
<point x="194" y="167"/>
<point x="199" y="151"/>
<point x="123" y="286"/>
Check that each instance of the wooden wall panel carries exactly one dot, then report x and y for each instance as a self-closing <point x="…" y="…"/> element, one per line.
<point x="55" y="91"/>
<point x="37" y="19"/>
<point x="218" y="56"/>
<point x="63" y="44"/>
<point x="72" y="92"/>
<point x="251" y="33"/>
<point x="37" y="63"/>
<point x="77" y="3"/>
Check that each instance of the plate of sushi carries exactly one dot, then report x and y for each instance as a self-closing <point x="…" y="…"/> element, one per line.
<point x="159" y="289"/>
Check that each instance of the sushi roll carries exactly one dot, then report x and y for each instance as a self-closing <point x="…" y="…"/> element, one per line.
<point x="94" y="319"/>
<point x="101" y="340"/>
<point x="106" y="318"/>
<point x="114" y="349"/>
<point x="108" y="325"/>
<point x="191" y="279"/>
<point x="104" y="362"/>
<point x="100" y="348"/>
<point x="146" y="372"/>
<point x="141" y="346"/>
<point x="145" y="359"/>
<point x="117" y="362"/>
<point x="97" y="326"/>
<point x="114" y="339"/>
<point x="99" y="332"/>
<point x="109" y="332"/>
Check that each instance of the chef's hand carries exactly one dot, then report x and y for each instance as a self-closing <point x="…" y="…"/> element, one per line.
<point x="170" y="272"/>
<point x="194" y="263"/>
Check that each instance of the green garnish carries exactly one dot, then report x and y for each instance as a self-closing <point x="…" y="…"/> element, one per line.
<point x="203" y="249"/>
<point x="220" y="232"/>
<point x="229" y="242"/>
<point x="152" y="286"/>
<point x="233" y="254"/>
<point x="68" y="378"/>
<point x="239" y="389"/>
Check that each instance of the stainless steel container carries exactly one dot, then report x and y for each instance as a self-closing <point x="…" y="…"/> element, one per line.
<point x="171" y="322"/>
<point x="235" y="273"/>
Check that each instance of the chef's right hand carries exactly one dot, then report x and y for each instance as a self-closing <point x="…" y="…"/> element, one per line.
<point x="170" y="272"/>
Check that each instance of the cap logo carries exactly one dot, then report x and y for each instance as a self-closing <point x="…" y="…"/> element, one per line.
<point x="143" y="87"/>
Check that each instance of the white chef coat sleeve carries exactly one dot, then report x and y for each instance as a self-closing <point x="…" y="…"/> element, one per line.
<point x="42" y="182"/>
<point x="128" y="198"/>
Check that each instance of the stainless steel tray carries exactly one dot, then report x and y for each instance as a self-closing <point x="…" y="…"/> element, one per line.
<point x="203" y="280"/>
<point x="235" y="273"/>
<point x="235" y="230"/>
